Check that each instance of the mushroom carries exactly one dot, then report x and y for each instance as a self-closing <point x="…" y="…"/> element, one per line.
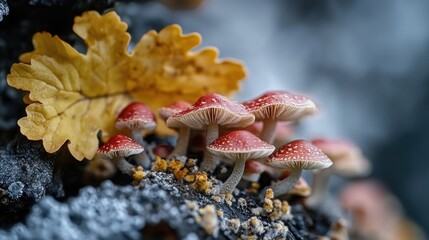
<point x="253" y="170"/>
<point x="162" y="150"/>
<point x="283" y="134"/>
<point x="301" y="188"/>
<point x="184" y="131"/>
<point x="239" y="146"/>
<point x="347" y="161"/>
<point x="136" y="117"/>
<point x="99" y="170"/>
<point x="116" y="149"/>
<point x="208" y="112"/>
<point x="375" y="213"/>
<point x="296" y="155"/>
<point x="275" y="106"/>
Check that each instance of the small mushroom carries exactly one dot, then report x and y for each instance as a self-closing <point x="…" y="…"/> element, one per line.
<point x="275" y="106"/>
<point x="208" y="112"/>
<point x="253" y="170"/>
<point x="283" y="133"/>
<point x="301" y="188"/>
<point x="116" y="149"/>
<point x="296" y="155"/>
<point x="347" y="161"/>
<point x="136" y="117"/>
<point x="239" y="146"/>
<point x="162" y="150"/>
<point x="184" y="131"/>
<point x="375" y="213"/>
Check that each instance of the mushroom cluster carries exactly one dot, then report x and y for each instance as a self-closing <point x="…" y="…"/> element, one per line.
<point x="135" y="118"/>
<point x="209" y="112"/>
<point x="228" y="134"/>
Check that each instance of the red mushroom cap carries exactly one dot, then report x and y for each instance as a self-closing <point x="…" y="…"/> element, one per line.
<point x="255" y="128"/>
<point x="119" y="146"/>
<point x="347" y="157"/>
<point x="280" y="105"/>
<point x="299" y="154"/>
<point x="301" y="188"/>
<point x="253" y="166"/>
<point x="212" y="108"/>
<point x="334" y="149"/>
<point x="162" y="150"/>
<point x="166" y="112"/>
<point x="136" y="115"/>
<point x="240" y="144"/>
<point x="252" y="171"/>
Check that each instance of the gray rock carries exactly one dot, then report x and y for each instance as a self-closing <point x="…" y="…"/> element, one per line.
<point x="26" y="175"/>
<point x="159" y="208"/>
<point x="109" y="212"/>
<point x="4" y="9"/>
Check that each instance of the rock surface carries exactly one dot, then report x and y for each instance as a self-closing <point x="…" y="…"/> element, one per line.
<point x="159" y="208"/>
<point x="4" y="9"/>
<point x="26" y="176"/>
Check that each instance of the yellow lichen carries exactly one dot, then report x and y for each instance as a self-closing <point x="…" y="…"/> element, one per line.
<point x="254" y="188"/>
<point x="234" y="224"/>
<point x="268" y="205"/>
<point x="269" y="193"/>
<point x="217" y="198"/>
<point x="160" y="165"/>
<point x="201" y="177"/>
<point x="190" y="178"/>
<point x="219" y="213"/>
<point x="228" y="196"/>
<point x="277" y="210"/>
<point x="138" y="174"/>
<point x="175" y="165"/>
<point x="202" y="183"/>
<point x="192" y="205"/>
<point x="208" y="220"/>
<point x="72" y="96"/>
<point x="191" y="162"/>
<point x="179" y="174"/>
<point x="285" y="207"/>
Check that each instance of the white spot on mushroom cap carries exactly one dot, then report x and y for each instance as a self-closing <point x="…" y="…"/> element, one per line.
<point x="119" y="146"/>
<point x="240" y="144"/>
<point x="136" y="115"/>
<point x="280" y="105"/>
<point x="301" y="154"/>
<point x="166" y="112"/>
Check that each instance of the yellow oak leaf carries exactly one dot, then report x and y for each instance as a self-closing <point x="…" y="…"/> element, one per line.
<point x="72" y="96"/>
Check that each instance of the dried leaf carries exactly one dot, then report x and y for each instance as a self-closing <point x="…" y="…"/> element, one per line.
<point x="72" y="96"/>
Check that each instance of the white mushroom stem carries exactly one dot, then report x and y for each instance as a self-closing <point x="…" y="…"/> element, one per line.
<point x="182" y="142"/>
<point x="210" y="161"/>
<point x="286" y="184"/>
<point x="142" y="159"/>
<point x="123" y="166"/>
<point x="235" y="177"/>
<point x="137" y="136"/>
<point x="319" y="188"/>
<point x="267" y="133"/>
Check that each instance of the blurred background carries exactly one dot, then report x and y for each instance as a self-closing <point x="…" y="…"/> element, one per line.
<point x="365" y="62"/>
